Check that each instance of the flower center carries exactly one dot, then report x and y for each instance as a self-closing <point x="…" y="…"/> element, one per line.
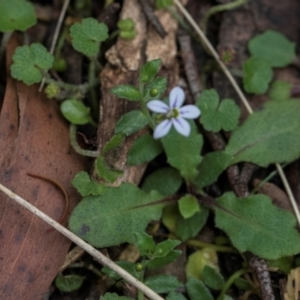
<point x="174" y="113"/>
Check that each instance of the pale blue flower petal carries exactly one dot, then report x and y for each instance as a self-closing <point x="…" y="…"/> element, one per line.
<point x="176" y="97"/>
<point x="189" y="112"/>
<point x="182" y="126"/>
<point x="162" y="129"/>
<point x="158" y="106"/>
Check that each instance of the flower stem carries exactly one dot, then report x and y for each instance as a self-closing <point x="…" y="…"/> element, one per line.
<point x="144" y="106"/>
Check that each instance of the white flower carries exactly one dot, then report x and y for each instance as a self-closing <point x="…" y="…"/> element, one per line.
<point x="174" y="114"/>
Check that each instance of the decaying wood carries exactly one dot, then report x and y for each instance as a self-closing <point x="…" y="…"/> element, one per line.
<point x="124" y="61"/>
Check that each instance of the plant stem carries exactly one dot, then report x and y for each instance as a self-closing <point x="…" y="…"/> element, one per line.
<point x="76" y="147"/>
<point x="219" y="248"/>
<point x="144" y="106"/>
<point x="93" y="96"/>
<point x="229" y="282"/>
<point x="219" y="8"/>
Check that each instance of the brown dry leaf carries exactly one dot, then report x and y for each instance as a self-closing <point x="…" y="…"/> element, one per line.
<point x="292" y="289"/>
<point x="35" y="139"/>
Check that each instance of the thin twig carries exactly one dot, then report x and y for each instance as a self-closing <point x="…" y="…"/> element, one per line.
<point x="88" y="248"/>
<point x="240" y="94"/>
<point x="56" y="33"/>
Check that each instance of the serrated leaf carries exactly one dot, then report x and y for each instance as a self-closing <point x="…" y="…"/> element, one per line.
<point x="273" y="48"/>
<point x="113" y="143"/>
<point x="29" y="62"/>
<point x="216" y="115"/>
<point x="75" y="111"/>
<point x="163" y="283"/>
<point x="149" y="70"/>
<point x="159" y="262"/>
<point x="212" y="278"/>
<point x="143" y="150"/>
<point x="114" y="296"/>
<point x="280" y="90"/>
<point x="131" y="122"/>
<point x="145" y="243"/>
<point x="197" y="290"/>
<point x="268" y="136"/>
<point x="85" y="186"/>
<point x="265" y="229"/>
<point x="105" y="172"/>
<point x="68" y="283"/>
<point x="126" y="91"/>
<point x="87" y="35"/>
<point x="16" y="15"/>
<point x="183" y="153"/>
<point x="188" y="206"/>
<point x="257" y="75"/>
<point x="212" y="165"/>
<point x="175" y="296"/>
<point x="166" y="181"/>
<point x="111" y="218"/>
<point x="155" y="89"/>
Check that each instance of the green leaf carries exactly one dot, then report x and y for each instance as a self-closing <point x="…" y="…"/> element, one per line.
<point x="212" y="278"/>
<point x="145" y="243"/>
<point x="155" y="89"/>
<point x="111" y="218"/>
<point x="75" y="112"/>
<point x="212" y="165"/>
<point x="16" y="15"/>
<point x="144" y="149"/>
<point x="243" y="284"/>
<point x="161" y="4"/>
<point x="216" y="115"/>
<point x="105" y="172"/>
<point x="280" y="90"/>
<point x="114" y="296"/>
<point x="29" y="62"/>
<point x="183" y="153"/>
<point x="149" y="70"/>
<point x="268" y="136"/>
<point x="114" y="142"/>
<point x="85" y="186"/>
<point x="284" y="264"/>
<point x="87" y="35"/>
<point x="257" y="76"/>
<point x="126" y="24"/>
<point x="273" y="48"/>
<point x="175" y="296"/>
<point x="159" y="262"/>
<point x="68" y="283"/>
<point x="264" y="229"/>
<point x="164" y="248"/>
<point x="131" y="122"/>
<point x="166" y="181"/>
<point x="188" y="206"/>
<point x="124" y="264"/>
<point x="126" y="91"/>
<point x="197" y="290"/>
<point x="163" y="283"/>
<point x="184" y="228"/>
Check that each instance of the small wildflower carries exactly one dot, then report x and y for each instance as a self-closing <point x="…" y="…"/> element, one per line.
<point x="174" y="114"/>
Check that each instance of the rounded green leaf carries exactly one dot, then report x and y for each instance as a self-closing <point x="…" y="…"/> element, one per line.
<point x="149" y="70"/>
<point x="280" y="90"/>
<point x="29" y="62"/>
<point x="75" y="112"/>
<point x="258" y="226"/>
<point x="197" y="290"/>
<point x="68" y="283"/>
<point x="163" y="283"/>
<point x="126" y="91"/>
<point x="212" y="278"/>
<point x="188" y="206"/>
<point x="131" y="122"/>
<point x="143" y="150"/>
<point x="273" y="48"/>
<point x="16" y="15"/>
<point x="87" y="35"/>
<point x="126" y="24"/>
<point x="257" y="75"/>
